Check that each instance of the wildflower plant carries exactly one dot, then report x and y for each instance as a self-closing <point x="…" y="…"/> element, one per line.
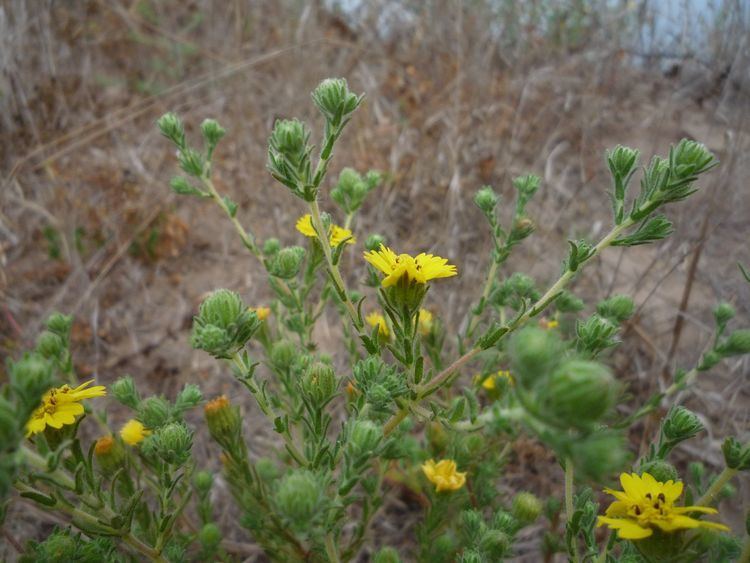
<point x="392" y="409"/>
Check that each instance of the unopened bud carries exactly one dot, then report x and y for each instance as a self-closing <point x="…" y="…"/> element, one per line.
<point x="173" y="443"/>
<point x="171" y="127"/>
<point x="724" y="313"/>
<point x="298" y="497"/>
<point x="283" y="354"/>
<point x="334" y="99"/>
<point x="660" y="470"/>
<point x="212" y="131"/>
<point x="287" y="262"/>
<point x="210" y="535"/>
<point x="319" y="382"/>
<point x="680" y="424"/>
<point x="387" y="555"/>
<point x="365" y="436"/>
<point x="617" y="308"/>
<point x="223" y="419"/>
<point x="203" y="481"/>
<point x="579" y="392"/>
<point x="533" y="352"/>
<point x="526" y="507"/>
<point x="109" y="454"/>
<point x="125" y="392"/>
<point x="50" y="345"/>
<point x="486" y="200"/>
<point x="737" y="344"/>
<point x="374" y="242"/>
<point x="154" y="412"/>
<point x="271" y="246"/>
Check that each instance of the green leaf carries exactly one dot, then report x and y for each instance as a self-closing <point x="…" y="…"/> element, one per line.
<point x="40" y="498"/>
<point x="656" y="228"/>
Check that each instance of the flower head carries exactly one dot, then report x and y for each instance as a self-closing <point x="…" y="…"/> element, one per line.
<point x="490" y="381"/>
<point x="61" y="405"/>
<point x="133" y="432"/>
<point x="444" y="475"/>
<point x="548" y="324"/>
<point x="262" y="312"/>
<point x="646" y="504"/>
<point x="336" y="234"/>
<point x="425" y="322"/>
<point x="376" y="319"/>
<point x="419" y="269"/>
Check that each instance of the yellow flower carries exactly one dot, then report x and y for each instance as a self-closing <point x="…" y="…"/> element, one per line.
<point x="645" y="504"/>
<point x="133" y="433"/>
<point x="262" y="312"/>
<point x="61" y="405"/>
<point x="376" y="319"/>
<point x="444" y="475"/>
<point x="549" y="324"/>
<point x="489" y="381"/>
<point x="425" y="322"/>
<point x="336" y="234"/>
<point x="420" y="269"/>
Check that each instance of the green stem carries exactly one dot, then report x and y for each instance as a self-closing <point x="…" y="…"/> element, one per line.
<point x="247" y="238"/>
<point x="709" y="497"/>
<point x="569" y="490"/>
<point x="745" y="555"/>
<point x="483" y="300"/>
<point x="268" y="411"/>
<point x="333" y="269"/>
<point x="331" y="551"/>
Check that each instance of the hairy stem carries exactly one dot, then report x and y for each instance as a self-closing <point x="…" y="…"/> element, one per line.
<point x="709" y="497"/>
<point x="569" y="490"/>
<point x="333" y="269"/>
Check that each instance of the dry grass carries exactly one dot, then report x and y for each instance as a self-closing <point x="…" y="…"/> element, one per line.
<point x="454" y="100"/>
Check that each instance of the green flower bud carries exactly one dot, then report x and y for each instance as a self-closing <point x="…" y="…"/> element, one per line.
<point x="210" y="535"/>
<point x="472" y="526"/>
<point x="533" y="351"/>
<point x="203" y="481"/>
<point x="486" y="200"/>
<point x="709" y="360"/>
<point x="351" y="189"/>
<point x="723" y="313"/>
<point x="299" y="497"/>
<point x="171" y="127"/>
<point x="334" y="100"/>
<point x="289" y="156"/>
<point x="60" y="546"/>
<point x="271" y="246"/>
<point x="154" y="412"/>
<point x="374" y="242"/>
<point x="223" y="325"/>
<point x="596" y="334"/>
<point x="737" y="344"/>
<point x="680" y="424"/>
<point x="526" y="508"/>
<point x="568" y="303"/>
<point x="287" y="262"/>
<point x="223" y="420"/>
<point x="212" y="131"/>
<point x="617" y="308"/>
<point x="735" y="456"/>
<point x="60" y="324"/>
<point x="192" y="162"/>
<point x="495" y="543"/>
<point x="125" y="392"/>
<point x="599" y="454"/>
<point x="387" y="555"/>
<point x="579" y="393"/>
<point x="267" y="469"/>
<point x="365" y="437"/>
<point x="319" y="382"/>
<point x="472" y="556"/>
<point x="690" y="158"/>
<point x="30" y="378"/>
<point x="660" y="470"/>
<point x="622" y="161"/>
<point x="505" y="522"/>
<point x="173" y="443"/>
<point x="50" y="345"/>
<point x="188" y="398"/>
<point x="283" y="354"/>
<point x="110" y="455"/>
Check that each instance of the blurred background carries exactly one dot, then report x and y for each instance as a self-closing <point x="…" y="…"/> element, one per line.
<point x="459" y="94"/>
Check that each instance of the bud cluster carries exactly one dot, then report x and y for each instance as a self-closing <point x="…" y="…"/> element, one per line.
<point x="223" y="325"/>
